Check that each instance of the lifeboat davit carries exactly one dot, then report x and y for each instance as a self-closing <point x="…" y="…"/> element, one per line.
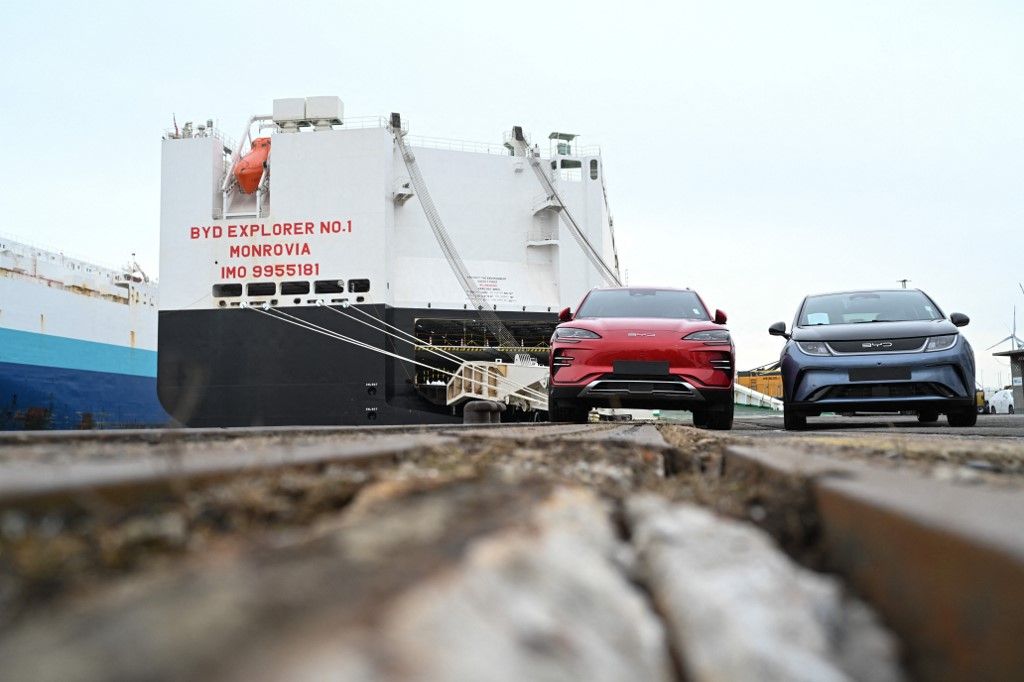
<point x="249" y="168"/>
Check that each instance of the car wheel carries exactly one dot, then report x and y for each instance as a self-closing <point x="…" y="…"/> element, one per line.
<point x="965" y="418"/>
<point x="720" y="416"/>
<point x="575" y="414"/>
<point x="567" y="411"/>
<point x="1010" y="410"/>
<point x="700" y="417"/>
<point x="792" y="421"/>
<point x="927" y="417"/>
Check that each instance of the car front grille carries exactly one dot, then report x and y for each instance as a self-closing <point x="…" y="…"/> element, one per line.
<point x="615" y="385"/>
<point x="910" y="345"/>
<point x="906" y="389"/>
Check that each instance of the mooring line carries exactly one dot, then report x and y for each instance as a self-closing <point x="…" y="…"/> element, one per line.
<point x="310" y="326"/>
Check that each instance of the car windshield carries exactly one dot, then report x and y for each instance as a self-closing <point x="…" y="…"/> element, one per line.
<point x="665" y="303"/>
<point x="867" y="306"/>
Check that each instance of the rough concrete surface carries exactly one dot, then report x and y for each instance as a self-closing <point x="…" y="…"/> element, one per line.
<point x="513" y="552"/>
<point x="542" y="601"/>
<point x="943" y="561"/>
<point x="738" y="609"/>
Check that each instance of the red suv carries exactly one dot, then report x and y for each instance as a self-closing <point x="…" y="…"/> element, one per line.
<point x="643" y="348"/>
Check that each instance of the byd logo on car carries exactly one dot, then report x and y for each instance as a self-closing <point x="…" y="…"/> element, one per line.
<point x="640" y="334"/>
<point x="880" y="344"/>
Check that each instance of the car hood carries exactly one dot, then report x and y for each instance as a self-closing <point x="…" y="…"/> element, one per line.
<point x="640" y="324"/>
<point x="868" y="331"/>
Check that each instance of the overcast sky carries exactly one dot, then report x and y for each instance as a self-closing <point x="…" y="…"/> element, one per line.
<point x="756" y="151"/>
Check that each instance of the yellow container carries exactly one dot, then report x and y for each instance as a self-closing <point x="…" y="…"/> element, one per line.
<point x="769" y="383"/>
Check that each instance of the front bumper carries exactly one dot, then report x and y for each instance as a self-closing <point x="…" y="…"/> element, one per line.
<point x="652" y="393"/>
<point x="941" y="381"/>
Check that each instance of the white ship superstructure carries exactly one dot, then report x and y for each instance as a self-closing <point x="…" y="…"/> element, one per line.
<point x="329" y="225"/>
<point x="77" y="342"/>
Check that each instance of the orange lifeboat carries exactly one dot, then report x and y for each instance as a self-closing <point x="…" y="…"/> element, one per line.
<point x="249" y="168"/>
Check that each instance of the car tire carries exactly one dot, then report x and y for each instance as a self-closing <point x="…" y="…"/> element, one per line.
<point x="1009" y="410"/>
<point x="720" y="417"/>
<point x="792" y="421"/>
<point x="927" y="417"/>
<point x="964" y="418"/>
<point x="700" y="417"/>
<point x="568" y="412"/>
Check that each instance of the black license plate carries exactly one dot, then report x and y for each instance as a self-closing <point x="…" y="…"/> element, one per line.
<point x="640" y="368"/>
<point x="880" y="374"/>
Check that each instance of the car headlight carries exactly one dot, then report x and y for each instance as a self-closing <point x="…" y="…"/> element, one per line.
<point x="573" y="334"/>
<point x="712" y="337"/>
<point x="944" y="342"/>
<point x="814" y="347"/>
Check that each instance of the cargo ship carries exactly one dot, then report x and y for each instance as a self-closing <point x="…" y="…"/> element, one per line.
<point x="77" y="343"/>
<point x="337" y="270"/>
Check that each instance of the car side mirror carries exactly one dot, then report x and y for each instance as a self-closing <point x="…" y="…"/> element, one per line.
<point x="720" y="317"/>
<point x="565" y="315"/>
<point x="778" y="329"/>
<point x="959" y="319"/>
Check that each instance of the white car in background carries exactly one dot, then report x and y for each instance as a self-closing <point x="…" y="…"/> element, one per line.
<point x="1001" y="402"/>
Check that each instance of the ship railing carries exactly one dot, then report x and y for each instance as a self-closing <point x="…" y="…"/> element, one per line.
<point x="363" y="122"/>
<point x="575" y="150"/>
<point x="522" y="385"/>
<point x="458" y="145"/>
<point x="215" y="133"/>
<point x="454" y="145"/>
<point x="348" y="123"/>
<point x="56" y="255"/>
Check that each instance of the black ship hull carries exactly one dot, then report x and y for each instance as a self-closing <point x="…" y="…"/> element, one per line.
<point x="239" y="367"/>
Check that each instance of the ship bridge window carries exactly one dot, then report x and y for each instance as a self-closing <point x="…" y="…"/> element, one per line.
<point x="222" y="290"/>
<point x="358" y="286"/>
<point x="329" y="286"/>
<point x="570" y="169"/>
<point x="593" y="169"/>
<point x="261" y="288"/>
<point x="290" y="288"/>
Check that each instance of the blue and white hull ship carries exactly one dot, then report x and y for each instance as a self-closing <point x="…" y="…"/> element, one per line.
<point x="77" y="343"/>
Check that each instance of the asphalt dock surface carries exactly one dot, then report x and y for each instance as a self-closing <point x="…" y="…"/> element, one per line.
<point x="989" y="425"/>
